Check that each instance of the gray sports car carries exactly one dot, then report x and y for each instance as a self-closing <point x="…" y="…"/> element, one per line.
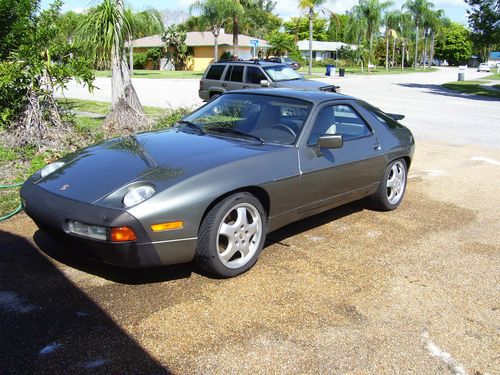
<point x="211" y="187"/>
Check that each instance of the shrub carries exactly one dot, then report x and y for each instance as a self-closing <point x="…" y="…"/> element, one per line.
<point x="140" y="59"/>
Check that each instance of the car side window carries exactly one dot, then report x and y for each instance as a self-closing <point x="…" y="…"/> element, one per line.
<point x="215" y="72"/>
<point x="338" y="119"/>
<point x="237" y="74"/>
<point x="255" y="75"/>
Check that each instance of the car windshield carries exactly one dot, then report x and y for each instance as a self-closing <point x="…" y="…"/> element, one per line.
<point x="282" y="73"/>
<point x="255" y="118"/>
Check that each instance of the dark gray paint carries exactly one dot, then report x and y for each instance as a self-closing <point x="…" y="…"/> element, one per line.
<point x="191" y="172"/>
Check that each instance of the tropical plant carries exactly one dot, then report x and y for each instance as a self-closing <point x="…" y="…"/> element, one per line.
<point x="237" y="12"/>
<point x="213" y="14"/>
<point x="455" y="45"/>
<point x="418" y="9"/>
<point x="281" y="43"/>
<point x="177" y="49"/>
<point x="311" y="7"/>
<point x="36" y="67"/>
<point x="371" y="11"/>
<point x="391" y="22"/>
<point x="299" y="28"/>
<point x="404" y="29"/>
<point x="16" y="16"/>
<point x="141" y="24"/>
<point x="104" y="33"/>
<point x="484" y="20"/>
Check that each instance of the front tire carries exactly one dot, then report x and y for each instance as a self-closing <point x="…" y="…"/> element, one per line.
<point x="231" y="236"/>
<point x="392" y="186"/>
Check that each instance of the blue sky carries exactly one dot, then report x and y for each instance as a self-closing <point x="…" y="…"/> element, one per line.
<point x="454" y="9"/>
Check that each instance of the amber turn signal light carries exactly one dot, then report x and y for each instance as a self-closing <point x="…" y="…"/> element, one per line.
<point x="167" y="226"/>
<point x="122" y="234"/>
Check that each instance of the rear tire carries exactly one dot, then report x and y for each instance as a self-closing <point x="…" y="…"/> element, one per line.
<point x="231" y="236"/>
<point x="213" y="97"/>
<point x="392" y="187"/>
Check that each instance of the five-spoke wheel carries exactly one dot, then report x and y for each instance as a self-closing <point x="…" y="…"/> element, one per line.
<point x="232" y="235"/>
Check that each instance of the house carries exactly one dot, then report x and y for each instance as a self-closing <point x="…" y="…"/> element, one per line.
<point x="321" y="50"/>
<point x="494" y="59"/>
<point x="201" y="46"/>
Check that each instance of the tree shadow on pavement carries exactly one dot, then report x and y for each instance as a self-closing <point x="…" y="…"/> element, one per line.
<point x="49" y="326"/>
<point x="131" y="276"/>
<point x="440" y="90"/>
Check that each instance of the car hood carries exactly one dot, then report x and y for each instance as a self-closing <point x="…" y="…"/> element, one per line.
<point x="305" y="84"/>
<point x="162" y="158"/>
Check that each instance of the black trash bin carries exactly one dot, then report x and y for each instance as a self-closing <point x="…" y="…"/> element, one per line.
<point x="328" y="70"/>
<point x="341" y="72"/>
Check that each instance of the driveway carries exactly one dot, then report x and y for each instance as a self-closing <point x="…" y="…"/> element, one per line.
<point x="351" y="291"/>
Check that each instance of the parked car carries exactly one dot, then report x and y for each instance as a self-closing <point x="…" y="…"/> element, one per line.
<point x="213" y="186"/>
<point x="285" y="60"/>
<point x="484" y="67"/>
<point x="226" y="76"/>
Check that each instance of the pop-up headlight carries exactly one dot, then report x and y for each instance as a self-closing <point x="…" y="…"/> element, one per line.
<point x="137" y="195"/>
<point x="50" y="168"/>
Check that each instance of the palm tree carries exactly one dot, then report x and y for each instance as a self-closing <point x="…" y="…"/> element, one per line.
<point x="371" y="11"/>
<point x="103" y="31"/>
<point x="312" y="7"/>
<point x="433" y="22"/>
<point x="417" y="8"/>
<point x="145" y="23"/>
<point x="237" y="12"/>
<point x="214" y="14"/>
<point x="404" y="28"/>
<point x="391" y="21"/>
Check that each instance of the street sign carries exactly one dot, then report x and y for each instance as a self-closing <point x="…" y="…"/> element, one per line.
<point x="254" y="42"/>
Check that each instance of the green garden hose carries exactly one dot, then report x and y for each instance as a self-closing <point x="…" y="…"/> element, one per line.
<point x="18" y="209"/>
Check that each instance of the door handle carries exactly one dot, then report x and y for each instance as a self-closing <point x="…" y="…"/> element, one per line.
<point x="376" y="145"/>
<point x="224" y="84"/>
<point x="245" y="87"/>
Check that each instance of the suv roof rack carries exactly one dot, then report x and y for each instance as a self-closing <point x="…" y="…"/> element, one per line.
<point x="224" y="61"/>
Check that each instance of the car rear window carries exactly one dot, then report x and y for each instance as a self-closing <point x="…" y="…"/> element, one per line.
<point x="381" y="116"/>
<point x="237" y="74"/>
<point x="215" y="72"/>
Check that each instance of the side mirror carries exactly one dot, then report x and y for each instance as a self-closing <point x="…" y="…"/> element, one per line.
<point x="264" y="83"/>
<point x="330" y="141"/>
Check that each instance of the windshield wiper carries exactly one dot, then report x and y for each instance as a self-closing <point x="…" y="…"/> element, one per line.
<point x="192" y="125"/>
<point x="236" y="132"/>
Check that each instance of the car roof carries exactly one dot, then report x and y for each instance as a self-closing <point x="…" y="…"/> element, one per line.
<point x="246" y="62"/>
<point x="314" y="96"/>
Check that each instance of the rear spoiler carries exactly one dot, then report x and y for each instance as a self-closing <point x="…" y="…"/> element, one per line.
<point x="395" y="116"/>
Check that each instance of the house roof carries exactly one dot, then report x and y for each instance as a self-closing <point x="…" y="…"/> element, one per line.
<point x="303" y="45"/>
<point x="200" y="38"/>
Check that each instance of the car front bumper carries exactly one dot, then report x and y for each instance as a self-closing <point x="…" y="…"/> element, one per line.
<point x="51" y="213"/>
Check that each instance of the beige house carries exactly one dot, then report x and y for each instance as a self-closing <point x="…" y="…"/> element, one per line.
<point x="201" y="45"/>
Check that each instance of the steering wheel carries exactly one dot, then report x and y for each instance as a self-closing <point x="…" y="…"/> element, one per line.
<point x="286" y="128"/>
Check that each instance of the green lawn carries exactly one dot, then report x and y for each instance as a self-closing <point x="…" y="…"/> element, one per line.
<point x="472" y="87"/>
<point x="357" y="70"/>
<point x="155" y="74"/>
<point x="495" y="76"/>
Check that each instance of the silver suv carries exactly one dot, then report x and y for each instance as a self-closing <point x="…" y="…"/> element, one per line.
<point x="236" y="75"/>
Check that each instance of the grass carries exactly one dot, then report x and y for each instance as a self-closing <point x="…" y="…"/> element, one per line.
<point x="472" y="87"/>
<point x="156" y="73"/>
<point x="378" y="70"/>
<point x="495" y="76"/>
<point x="16" y="165"/>
<point x="496" y="86"/>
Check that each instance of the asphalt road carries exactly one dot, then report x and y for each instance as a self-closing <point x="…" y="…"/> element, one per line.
<point x="432" y="112"/>
<point x="351" y="291"/>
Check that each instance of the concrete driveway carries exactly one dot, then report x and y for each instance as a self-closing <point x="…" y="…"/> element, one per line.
<point x="351" y="291"/>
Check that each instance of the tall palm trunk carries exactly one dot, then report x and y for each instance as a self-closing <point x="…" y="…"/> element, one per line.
<point x="216" y="45"/>
<point x="387" y="51"/>
<point x="311" y="16"/>
<point x="425" y="49"/>
<point x="236" y="31"/>
<point x="403" y="57"/>
<point x="431" y="53"/>
<point x="393" y="51"/>
<point x="126" y="109"/>
<point x="416" y="46"/>
<point x="131" y="55"/>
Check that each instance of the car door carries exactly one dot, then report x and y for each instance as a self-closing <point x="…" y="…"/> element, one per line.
<point x="253" y="76"/>
<point x="233" y="80"/>
<point x="330" y="177"/>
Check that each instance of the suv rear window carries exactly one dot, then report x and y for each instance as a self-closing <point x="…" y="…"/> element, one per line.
<point x="215" y="72"/>
<point x="237" y="74"/>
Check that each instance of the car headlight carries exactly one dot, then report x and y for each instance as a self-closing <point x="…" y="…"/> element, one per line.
<point x="137" y="195"/>
<point x="50" y="168"/>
